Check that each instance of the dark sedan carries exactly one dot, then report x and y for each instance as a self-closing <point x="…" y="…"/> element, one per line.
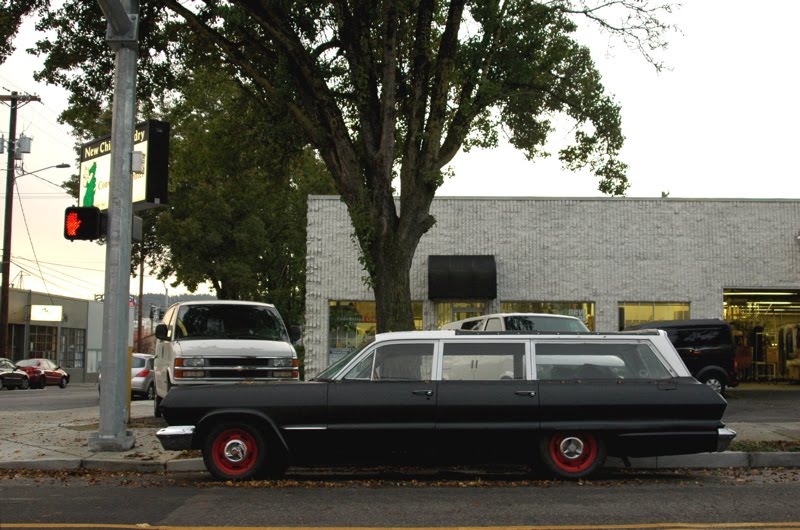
<point x="564" y="401"/>
<point x="44" y="372"/>
<point x="11" y="377"/>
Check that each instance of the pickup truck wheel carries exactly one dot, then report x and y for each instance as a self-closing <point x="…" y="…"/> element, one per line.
<point x="572" y="455"/>
<point x="234" y="451"/>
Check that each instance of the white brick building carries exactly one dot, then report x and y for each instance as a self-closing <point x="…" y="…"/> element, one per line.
<point x="612" y="261"/>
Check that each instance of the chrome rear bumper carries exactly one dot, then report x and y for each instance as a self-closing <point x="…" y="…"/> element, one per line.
<point x="176" y="437"/>
<point x="724" y="438"/>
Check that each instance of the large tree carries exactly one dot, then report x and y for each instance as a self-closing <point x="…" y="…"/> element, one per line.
<point x="389" y="91"/>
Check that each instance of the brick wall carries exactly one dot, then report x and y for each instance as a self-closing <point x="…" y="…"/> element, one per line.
<point x="604" y="250"/>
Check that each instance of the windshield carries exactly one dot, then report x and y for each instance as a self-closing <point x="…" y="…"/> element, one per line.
<point x="229" y="321"/>
<point x="544" y="323"/>
<point x="328" y="373"/>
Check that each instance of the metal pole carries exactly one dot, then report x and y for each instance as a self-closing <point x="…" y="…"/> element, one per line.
<point x="4" y="296"/>
<point x="115" y="396"/>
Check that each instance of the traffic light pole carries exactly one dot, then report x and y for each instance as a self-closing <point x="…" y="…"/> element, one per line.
<point x="122" y="36"/>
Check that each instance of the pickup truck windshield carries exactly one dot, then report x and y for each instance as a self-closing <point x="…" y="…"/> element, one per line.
<point x="229" y="321"/>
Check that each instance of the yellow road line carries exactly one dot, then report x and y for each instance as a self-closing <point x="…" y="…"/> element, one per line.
<point x="642" y="526"/>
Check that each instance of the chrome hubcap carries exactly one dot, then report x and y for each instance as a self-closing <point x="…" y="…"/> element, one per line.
<point x="571" y="447"/>
<point x="714" y="383"/>
<point x="235" y="451"/>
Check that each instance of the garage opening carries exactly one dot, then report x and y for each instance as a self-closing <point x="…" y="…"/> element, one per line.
<point x="766" y="325"/>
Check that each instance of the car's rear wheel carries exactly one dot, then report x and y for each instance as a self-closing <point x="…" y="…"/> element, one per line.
<point x="234" y="451"/>
<point x="1" y="383"/>
<point x="42" y="382"/>
<point x="572" y="455"/>
<point x="714" y="381"/>
<point x="151" y="392"/>
<point x="63" y="382"/>
<point x="25" y="385"/>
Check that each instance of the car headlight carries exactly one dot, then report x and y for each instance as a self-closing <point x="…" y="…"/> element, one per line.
<point x="282" y="362"/>
<point x="191" y="362"/>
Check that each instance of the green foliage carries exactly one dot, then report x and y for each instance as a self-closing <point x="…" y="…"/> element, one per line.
<point x="239" y="182"/>
<point x="384" y="91"/>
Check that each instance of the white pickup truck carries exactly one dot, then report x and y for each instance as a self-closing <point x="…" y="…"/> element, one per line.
<point x="221" y="341"/>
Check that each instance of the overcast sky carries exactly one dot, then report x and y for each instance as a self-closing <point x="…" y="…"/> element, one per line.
<point x="721" y="123"/>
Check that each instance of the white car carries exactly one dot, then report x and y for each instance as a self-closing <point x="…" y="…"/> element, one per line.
<point x="537" y="322"/>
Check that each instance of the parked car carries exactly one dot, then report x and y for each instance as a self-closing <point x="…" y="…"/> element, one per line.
<point x="540" y="322"/>
<point x="459" y="397"/>
<point x="220" y="341"/>
<point x="12" y="377"/>
<point x="42" y="372"/>
<point x="142" y="375"/>
<point x="706" y="346"/>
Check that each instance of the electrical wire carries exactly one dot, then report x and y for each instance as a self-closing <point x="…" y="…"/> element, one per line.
<point x="30" y="240"/>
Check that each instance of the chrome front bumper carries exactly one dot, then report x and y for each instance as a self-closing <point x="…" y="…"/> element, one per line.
<point x="176" y="437"/>
<point x="724" y="438"/>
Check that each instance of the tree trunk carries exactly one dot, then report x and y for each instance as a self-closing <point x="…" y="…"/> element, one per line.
<point x="391" y="284"/>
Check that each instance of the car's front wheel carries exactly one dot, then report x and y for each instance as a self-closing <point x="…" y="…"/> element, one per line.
<point x="63" y="382"/>
<point x="25" y="385"/>
<point x="156" y="406"/>
<point x="572" y="455"/>
<point x="234" y="451"/>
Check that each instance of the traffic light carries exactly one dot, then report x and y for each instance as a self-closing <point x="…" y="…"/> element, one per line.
<point x="82" y="222"/>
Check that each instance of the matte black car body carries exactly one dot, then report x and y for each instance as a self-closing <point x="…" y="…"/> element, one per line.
<point x="570" y="419"/>
<point x="706" y="347"/>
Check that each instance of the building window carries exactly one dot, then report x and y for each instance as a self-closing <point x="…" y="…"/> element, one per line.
<point x="633" y="313"/>
<point x="73" y="348"/>
<point x="351" y="324"/>
<point x="582" y="310"/>
<point x="44" y="342"/>
<point x="447" y="312"/>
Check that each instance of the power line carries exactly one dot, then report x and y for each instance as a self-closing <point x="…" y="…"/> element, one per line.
<point x="30" y="240"/>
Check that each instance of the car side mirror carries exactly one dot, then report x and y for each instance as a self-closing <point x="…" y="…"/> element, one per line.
<point x="295" y="332"/>
<point x="161" y="332"/>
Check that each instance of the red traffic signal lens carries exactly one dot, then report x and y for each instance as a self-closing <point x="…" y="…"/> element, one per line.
<point x="82" y="223"/>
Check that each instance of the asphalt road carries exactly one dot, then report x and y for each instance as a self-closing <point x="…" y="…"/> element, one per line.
<point x="756" y="498"/>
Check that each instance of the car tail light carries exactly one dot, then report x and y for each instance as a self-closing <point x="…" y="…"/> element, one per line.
<point x="143" y="373"/>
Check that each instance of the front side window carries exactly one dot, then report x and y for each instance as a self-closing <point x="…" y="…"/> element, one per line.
<point x="395" y="362"/>
<point x="229" y="321"/>
<point x="483" y="361"/>
<point x="592" y="360"/>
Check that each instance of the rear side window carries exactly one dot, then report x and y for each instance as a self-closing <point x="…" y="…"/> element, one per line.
<point x="138" y="362"/>
<point x="695" y="337"/>
<point x="566" y="361"/>
<point x="483" y="361"/>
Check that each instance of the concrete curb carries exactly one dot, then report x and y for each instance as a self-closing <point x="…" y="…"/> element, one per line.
<point x="191" y="465"/>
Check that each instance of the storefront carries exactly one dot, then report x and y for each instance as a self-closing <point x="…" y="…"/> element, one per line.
<point x="64" y="330"/>
<point x="612" y="262"/>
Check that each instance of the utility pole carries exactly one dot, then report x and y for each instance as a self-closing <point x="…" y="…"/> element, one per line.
<point x="122" y="37"/>
<point x="15" y="99"/>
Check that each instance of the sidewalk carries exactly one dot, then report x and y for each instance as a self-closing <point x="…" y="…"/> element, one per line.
<point x="59" y="440"/>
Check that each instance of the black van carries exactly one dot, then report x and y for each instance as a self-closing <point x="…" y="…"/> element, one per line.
<point x="705" y="345"/>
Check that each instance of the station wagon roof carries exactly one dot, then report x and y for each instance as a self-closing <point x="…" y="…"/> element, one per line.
<point x="457" y="333"/>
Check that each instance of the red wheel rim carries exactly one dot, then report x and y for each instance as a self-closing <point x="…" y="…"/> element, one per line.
<point x="573" y="453"/>
<point x="234" y="451"/>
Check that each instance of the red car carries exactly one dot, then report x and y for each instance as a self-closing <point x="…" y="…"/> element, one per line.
<point x="43" y="372"/>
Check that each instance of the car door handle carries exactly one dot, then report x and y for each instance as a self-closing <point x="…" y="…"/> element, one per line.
<point x="428" y="393"/>
<point x="529" y="393"/>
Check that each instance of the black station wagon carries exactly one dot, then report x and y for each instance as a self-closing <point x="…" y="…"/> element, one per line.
<point x="563" y="401"/>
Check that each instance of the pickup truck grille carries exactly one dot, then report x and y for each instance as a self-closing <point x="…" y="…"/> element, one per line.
<point x="229" y="369"/>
